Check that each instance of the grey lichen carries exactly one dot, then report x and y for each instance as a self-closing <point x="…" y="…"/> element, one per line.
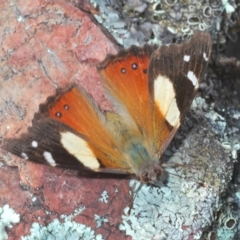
<point x="68" y="229"/>
<point x="62" y="231"/>
<point x="7" y="218"/>
<point x="160" y="21"/>
<point x="181" y="206"/>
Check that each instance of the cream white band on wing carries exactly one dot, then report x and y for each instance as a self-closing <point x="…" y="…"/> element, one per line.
<point x="80" y="150"/>
<point x="165" y="99"/>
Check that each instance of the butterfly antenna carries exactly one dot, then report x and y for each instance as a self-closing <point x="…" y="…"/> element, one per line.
<point x="175" y="165"/>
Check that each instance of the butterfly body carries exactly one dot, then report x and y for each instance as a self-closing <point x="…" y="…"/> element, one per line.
<point x="134" y="148"/>
<point x="151" y="90"/>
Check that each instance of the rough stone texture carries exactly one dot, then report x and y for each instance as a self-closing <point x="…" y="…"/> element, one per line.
<point x="47" y="45"/>
<point x="49" y="193"/>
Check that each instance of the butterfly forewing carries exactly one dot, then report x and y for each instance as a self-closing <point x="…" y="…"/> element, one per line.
<point x="175" y="72"/>
<point x="125" y="79"/>
<point x="69" y="131"/>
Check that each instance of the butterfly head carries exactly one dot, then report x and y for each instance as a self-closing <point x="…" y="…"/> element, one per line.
<point x="151" y="173"/>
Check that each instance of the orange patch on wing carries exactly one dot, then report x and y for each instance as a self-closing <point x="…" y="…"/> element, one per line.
<point x="75" y="109"/>
<point x="126" y="79"/>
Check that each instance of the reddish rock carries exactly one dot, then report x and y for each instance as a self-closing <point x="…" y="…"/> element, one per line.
<point x="46" y="45"/>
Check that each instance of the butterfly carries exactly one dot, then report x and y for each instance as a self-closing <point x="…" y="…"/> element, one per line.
<point x="151" y="90"/>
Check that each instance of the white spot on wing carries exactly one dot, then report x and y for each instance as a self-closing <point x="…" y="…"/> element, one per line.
<point x="48" y="157"/>
<point x="186" y="58"/>
<point x="34" y="144"/>
<point x="205" y="57"/>
<point x="24" y="156"/>
<point x="192" y="77"/>
<point x="165" y="99"/>
<point x="79" y="149"/>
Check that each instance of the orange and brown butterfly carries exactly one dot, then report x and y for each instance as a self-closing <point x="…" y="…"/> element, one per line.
<point x="151" y="90"/>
